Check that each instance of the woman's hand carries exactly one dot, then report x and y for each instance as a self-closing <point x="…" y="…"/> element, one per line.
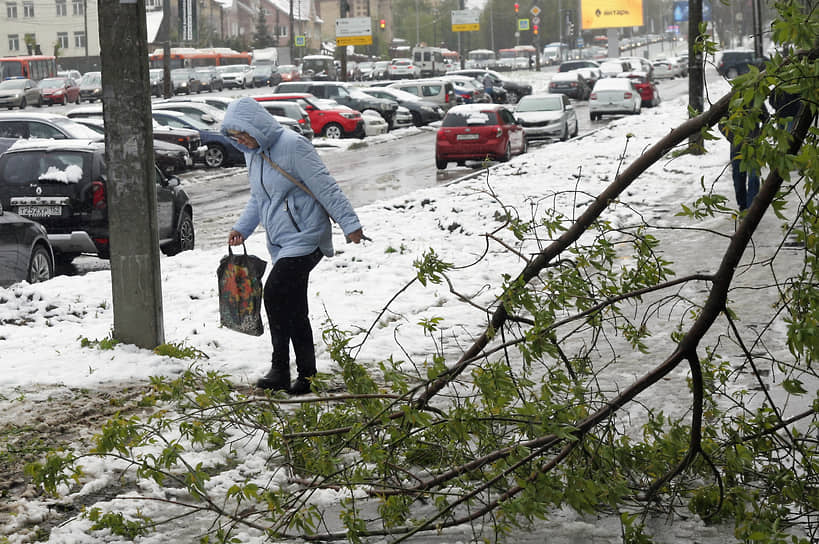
<point x="235" y="239"/>
<point x="356" y="236"/>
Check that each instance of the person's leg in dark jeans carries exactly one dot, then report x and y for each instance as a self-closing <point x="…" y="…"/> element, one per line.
<point x="739" y="178"/>
<point x="285" y="301"/>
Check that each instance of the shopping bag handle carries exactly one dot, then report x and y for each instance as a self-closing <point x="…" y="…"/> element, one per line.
<point x="230" y="249"/>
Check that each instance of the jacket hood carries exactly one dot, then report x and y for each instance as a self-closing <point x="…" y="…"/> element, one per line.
<point x="247" y="115"/>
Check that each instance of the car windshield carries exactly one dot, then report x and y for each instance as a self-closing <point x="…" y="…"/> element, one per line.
<point x="540" y="103"/>
<point x="13" y="84"/>
<point x="288" y="68"/>
<point x="91" y="79"/>
<point x="52" y="82"/>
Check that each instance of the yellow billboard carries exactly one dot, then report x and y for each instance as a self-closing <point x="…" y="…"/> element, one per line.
<point x="611" y="13"/>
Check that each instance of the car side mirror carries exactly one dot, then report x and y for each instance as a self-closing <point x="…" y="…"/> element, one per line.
<point x="206" y="117"/>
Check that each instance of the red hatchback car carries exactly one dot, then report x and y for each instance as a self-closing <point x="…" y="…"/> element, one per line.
<point x="478" y="132"/>
<point x="649" y="94"/>
<point x="60" y="90"/>
<point x="330" y="122"/>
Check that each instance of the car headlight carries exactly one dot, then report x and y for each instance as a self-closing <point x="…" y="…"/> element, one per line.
<point x="349" y="115"/>
<point x="427" y="109"/>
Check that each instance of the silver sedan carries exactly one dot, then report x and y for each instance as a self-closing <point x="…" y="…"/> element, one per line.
<point x="546" y="116"/>
<point x="18" y="93"/>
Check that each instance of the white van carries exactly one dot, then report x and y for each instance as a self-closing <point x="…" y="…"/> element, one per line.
<point x="430" y="60"/>
<point x="555" y="53"/>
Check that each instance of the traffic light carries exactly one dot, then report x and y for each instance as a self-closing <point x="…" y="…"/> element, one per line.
<point x="382" y="24"/>
<point x="517" y="7"/>
<point x="534" y="29"/>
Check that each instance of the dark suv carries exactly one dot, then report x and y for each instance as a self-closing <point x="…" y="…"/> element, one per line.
<point x="343" y="93"/>
<point x="62" y="185"/>
<point x="734" y="62"/>
<point x="514" y="90"/>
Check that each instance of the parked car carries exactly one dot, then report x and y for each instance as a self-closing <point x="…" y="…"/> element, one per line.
<point x="665" y="69"/>
<point x="649" y="93"/>
<point x="734" y="62"/>
<point x="209" y="79"/>
<point x="73" y="74"/>
<point x="613" y="68"/>
<point x="589" y="69"/>
<point x="547" y="116"/>
<point x="437" y="91"/>
<point x="187" y="138"/>
<point x="514" y="89"/>
<point x="265" y="75"/>
<point x="63" y="185"/>
<point x="289" y="72"/>
<point x="91" y="86"/>
<point x="205" y="112"/>
<point x="219" y="102"/>
<point x="640" y="64"/>
<point x="60" y="90"/>
<point x="236" y="76"/>
<point x="43" y="125"/>
<point x="220" y="151"/>
<point x="423" y="112"/>
<point x="374" y="124"/>
<point x="25" y="252"/>
<point x="379" y="71"/>
<point x="19" y="93"/>
<point x="468" y="90"/>
<point x="478" y="132"/>
<point x="329" y="121"/>
<point x="157" y="77"/>
<point x="171" y="158"/>
<point x="401" y="119"/>
<point x="318" y="68"/>
<point x="286" y="108"/>
<point x="572" y="84"/>
<point x="185" y="80"/>
<point x="402" y="68"/>
<point x="345" y="94"/>
<point x="614" y="95"/>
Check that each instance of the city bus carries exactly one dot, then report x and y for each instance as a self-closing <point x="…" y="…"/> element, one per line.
<point x="520" y="57"/>
<point x="189" y="57"/>
<point x="34" y="67"/>
<point x="481" y="58"/>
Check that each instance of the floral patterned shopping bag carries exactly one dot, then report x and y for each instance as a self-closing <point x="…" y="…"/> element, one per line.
<point x="241" y="292"/>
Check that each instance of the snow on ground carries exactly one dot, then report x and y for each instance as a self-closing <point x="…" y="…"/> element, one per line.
<point x="42" y="326"/>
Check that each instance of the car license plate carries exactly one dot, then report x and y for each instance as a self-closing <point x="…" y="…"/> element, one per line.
<point x="39" y="211"/>
<point x="467" y="137"/>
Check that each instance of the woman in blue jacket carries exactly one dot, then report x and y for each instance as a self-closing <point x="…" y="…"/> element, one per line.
<point x="294" y="215"/>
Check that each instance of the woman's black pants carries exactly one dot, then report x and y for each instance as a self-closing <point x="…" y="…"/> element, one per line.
<point x="285" y="300"/>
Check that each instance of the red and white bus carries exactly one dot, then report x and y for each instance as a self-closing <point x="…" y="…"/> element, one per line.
<point x="188" y="57"/>
<point x="34" y="67"/>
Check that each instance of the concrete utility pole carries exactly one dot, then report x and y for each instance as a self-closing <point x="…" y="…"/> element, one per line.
<point x="129" y="156"/>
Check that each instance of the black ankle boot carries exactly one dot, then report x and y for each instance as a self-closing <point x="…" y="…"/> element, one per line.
<point x="278" y="378"/>
<point x="301" y="386"/>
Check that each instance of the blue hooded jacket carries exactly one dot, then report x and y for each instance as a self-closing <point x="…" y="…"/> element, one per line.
<point x="295" y="222"/>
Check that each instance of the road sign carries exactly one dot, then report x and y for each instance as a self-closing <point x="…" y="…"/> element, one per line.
<point x="354" y="31"/>
<point x="535" y="11"/>
<point x="535" y="20"/>
<point x="466" y="20"/>
<point x="523" y="24"/>
<point x="300" y="41"/>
